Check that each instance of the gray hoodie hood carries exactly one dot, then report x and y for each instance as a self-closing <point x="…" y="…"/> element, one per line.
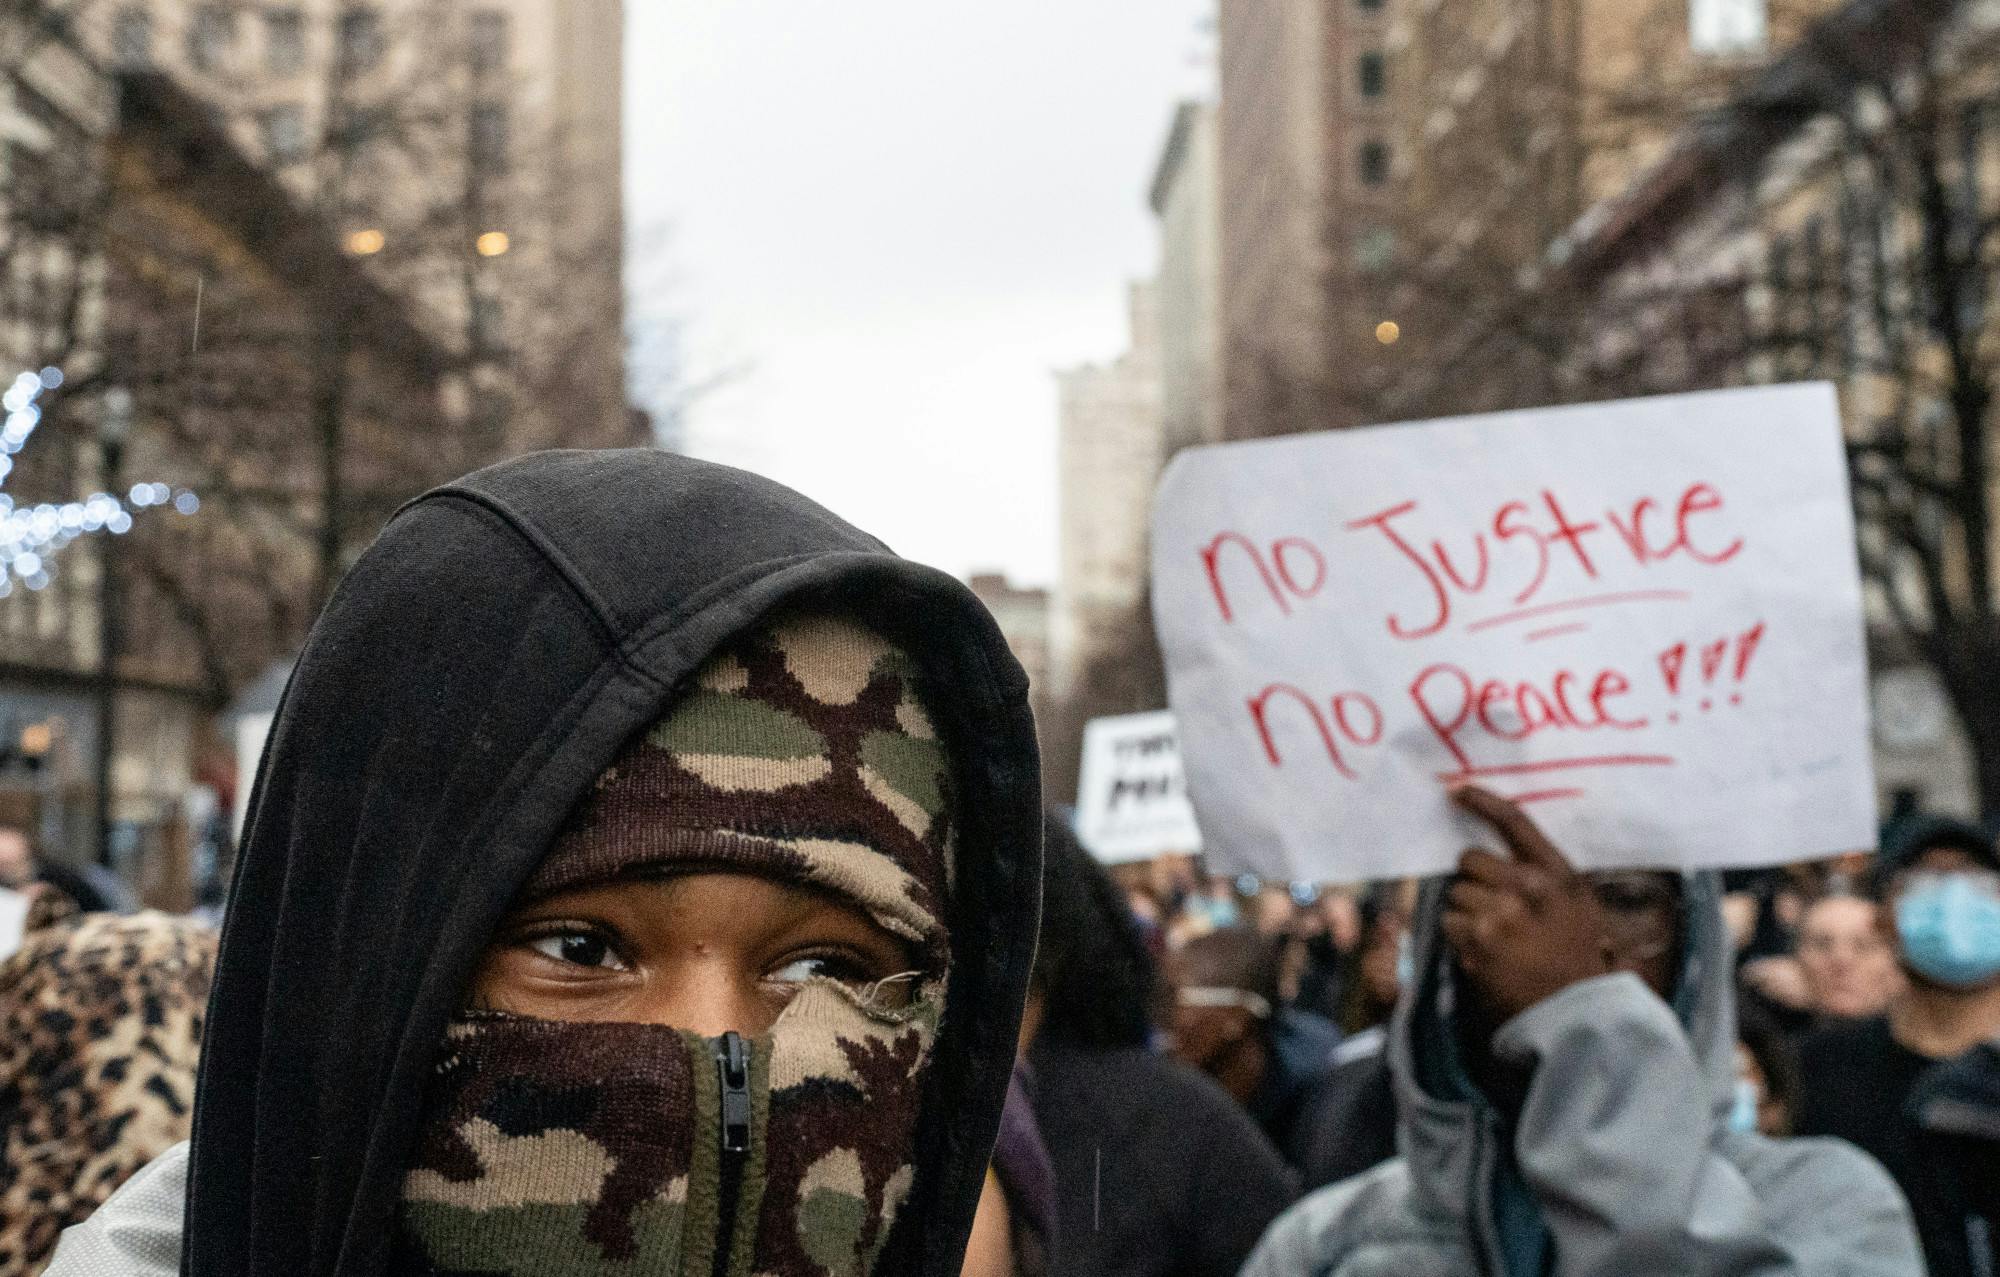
<point x="1449" y="1134"/>
<point x="1619" y="1161"/>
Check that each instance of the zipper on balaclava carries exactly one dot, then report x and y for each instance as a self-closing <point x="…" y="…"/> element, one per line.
<point x="732" y="1068"/>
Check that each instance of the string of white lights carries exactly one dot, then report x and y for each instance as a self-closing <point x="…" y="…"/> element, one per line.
<point x="32" y="536"/>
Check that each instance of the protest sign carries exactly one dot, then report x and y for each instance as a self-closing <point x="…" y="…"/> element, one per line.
<point x="1131" y="799"/>
<point x="1641" y="620"/>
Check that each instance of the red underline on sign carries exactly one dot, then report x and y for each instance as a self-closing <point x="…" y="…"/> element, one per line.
<point x="1574" y="627"/>
<point x="1547" y="795"/>
<point x="1557" y="765"/>
<point x="1571" y="605"/>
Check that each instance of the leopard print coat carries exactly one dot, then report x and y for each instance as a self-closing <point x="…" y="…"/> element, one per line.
<point x="102" y="1018"/>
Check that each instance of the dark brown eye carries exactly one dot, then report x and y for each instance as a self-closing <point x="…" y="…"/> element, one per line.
<point x="577" y="948"/>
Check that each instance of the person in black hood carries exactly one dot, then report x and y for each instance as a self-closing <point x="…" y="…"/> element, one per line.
<point x="642" y="875"/>
<point x="1158" y="1173"/>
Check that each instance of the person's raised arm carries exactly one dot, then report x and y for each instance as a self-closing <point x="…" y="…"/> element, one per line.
<point x="1615" y="1132"/>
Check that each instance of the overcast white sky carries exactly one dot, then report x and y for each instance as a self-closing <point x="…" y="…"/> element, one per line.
<point x="899" y="216"/>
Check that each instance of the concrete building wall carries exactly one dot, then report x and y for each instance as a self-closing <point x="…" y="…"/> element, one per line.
<point x="533" y="85"/>
<point x="1186" y="198"/>
<point x="1274" y="175"/>
<point x="1110" y="449"/>
<point x="1757" y="263"/>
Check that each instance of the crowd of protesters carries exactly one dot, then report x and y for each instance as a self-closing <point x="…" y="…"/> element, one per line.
<point x="688" y="924"/>
<point x="1867" y="1007"/>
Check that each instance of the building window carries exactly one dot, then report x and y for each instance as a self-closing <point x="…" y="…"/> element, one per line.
<point x="210" y="37"/>
<point x="1374" y="163"/>
<point x="489" y="137"/>
<point x="489" y="41"/>
<point x="284" y="41"/>
<point x="285" y="134"/>
<point x="1375" y="250"/>
<point x="492" y="410"/>
<point x="360" y="39"/>
<point x="132" y="38"/>
<point x="356" y="127"/>
<point x="489" y="333"/>
<point x="1373" y="74"/>
<point x="1727" y="26"/>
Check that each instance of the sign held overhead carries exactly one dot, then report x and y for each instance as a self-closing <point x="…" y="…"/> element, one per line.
<point x="1131" y="801"/>
<point x="1641" y="619"/>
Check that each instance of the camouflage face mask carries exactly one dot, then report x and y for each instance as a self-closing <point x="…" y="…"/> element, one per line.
<point x="804" y="754"/>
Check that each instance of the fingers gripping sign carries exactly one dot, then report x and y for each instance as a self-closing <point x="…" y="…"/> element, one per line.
<point x="1525" y="927"/>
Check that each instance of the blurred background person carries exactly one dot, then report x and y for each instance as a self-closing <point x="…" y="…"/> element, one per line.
<point x="1941" y="895"/>
<point x="1847" y="958"/>
<point x="1767" y="1076"/>
<point x="1843" y="967"/>
<point x="1956" y="1108"/>
<point x="1230" y="1022"/>
<point x="91" y="888"/>
<point x="103" y="1023"/>
<point x="1567" y="1060"/>
<point x="1375" y="975"/>
<point x="1350" y="1123"/>
<point x="1158" y="1173"/>
<point x="1323" y="944"/>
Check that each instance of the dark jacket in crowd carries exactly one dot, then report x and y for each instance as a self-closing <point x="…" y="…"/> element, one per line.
<point x="473" y="676"/>
<point x="1619" y="1162"/>
<point x="1350" y="1124"/>
<point x="1955" y="1110"/>
<point x="1302" y="1045"/>
<point x="1028" y="1179"/>
<point x="1858" y="1080"/>
<point x="1161" y="1173"/>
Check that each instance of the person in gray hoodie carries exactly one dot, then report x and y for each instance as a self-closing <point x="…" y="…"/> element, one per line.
<point x="1564" y="1070"/>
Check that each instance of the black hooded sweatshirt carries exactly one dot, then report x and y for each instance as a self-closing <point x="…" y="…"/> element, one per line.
<point x="480" y="666"/>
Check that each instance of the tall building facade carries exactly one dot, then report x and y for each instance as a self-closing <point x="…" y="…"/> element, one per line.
<point x="1111" y="444"/>
<point x="162" y="504"/>
<point x="1307" y="161"/>
<point x="1771" y="243"/>
<point x="309" y="257"/>
<point x="1186" y="198"/>
<point x="1109" y="453"/>
<point x="469" y="151"/>
<point x="1399" y="169"/>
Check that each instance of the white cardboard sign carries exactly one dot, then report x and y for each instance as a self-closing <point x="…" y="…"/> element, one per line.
<point x="1642" y="620"/>
<point x="1131" y="799"/>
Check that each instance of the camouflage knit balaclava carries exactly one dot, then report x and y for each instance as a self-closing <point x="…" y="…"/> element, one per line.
<point x="802" y="753"/>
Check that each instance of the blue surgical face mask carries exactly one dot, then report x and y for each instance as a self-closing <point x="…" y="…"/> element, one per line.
<point x="1406" y="960"/>
<point x="1950" y="928"/>
<point x="1743" y="1107"/>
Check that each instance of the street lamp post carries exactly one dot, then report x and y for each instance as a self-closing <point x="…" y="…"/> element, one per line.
<point x="114" y="425"/>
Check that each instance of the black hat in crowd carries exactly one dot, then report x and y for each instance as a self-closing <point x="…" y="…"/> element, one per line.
<point x="1935" y="833"/>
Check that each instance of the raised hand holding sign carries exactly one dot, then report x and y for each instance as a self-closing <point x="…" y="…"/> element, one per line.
<point x="1642" y="619"/>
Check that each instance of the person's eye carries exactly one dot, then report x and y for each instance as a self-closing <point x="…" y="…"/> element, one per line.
<point x="799" y="970"/>
<point x="577" y="948"/>
<point x="890" y="990"/>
